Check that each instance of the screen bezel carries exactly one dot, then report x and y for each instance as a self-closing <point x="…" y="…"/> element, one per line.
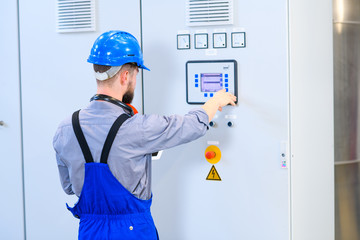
<point x="211" y="61"/>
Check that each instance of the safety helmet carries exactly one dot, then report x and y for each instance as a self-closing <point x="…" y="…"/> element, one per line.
<point x="115" y="48"/>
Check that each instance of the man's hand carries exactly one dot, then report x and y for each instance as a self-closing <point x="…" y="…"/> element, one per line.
<point x="220" y="99"/>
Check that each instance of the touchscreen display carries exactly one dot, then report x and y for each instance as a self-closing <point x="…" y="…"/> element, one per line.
<point x="211" y="82"/>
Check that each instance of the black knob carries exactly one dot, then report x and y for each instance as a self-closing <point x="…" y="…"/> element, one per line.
<point x="212" y="124"/>
<point x="230" y="124"/>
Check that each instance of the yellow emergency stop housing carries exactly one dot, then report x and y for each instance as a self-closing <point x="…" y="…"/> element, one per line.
<point x="216" y="150"/>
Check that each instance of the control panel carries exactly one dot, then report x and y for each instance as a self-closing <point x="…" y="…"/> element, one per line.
<point x="205" y="78"/>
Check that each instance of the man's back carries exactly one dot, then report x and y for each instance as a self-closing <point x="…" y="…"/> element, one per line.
<point x="130" y="155"/>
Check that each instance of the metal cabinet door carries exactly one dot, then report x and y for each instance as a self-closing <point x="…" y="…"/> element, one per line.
<point x="57" y="80"/>
<point x="11" y="200"/>
<point x="252" y="200"/>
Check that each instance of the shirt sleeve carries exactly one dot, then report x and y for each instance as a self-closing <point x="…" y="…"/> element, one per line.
<point x="63" y="169"/>
<point x="64" y="176"/>
<point x="163" y="132"/>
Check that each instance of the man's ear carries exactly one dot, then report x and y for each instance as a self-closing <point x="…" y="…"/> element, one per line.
<point x="124" y="77"/>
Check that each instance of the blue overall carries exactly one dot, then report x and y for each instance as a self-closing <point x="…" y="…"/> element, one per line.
<point x="107" y="210"/>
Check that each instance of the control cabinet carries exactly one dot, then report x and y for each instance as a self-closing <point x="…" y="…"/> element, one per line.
<point x="196" y="197"/>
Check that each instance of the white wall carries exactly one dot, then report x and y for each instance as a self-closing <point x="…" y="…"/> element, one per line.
<point x="311" y="115"/>
<point x="11" y="197"/>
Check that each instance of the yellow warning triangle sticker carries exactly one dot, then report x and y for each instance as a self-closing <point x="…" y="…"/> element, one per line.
<point x="213" y="174"/>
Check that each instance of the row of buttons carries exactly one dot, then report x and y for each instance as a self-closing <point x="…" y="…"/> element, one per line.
<point x="212" y="94"/>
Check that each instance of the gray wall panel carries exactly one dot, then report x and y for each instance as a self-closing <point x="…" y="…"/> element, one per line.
<point x="346" y="89"/>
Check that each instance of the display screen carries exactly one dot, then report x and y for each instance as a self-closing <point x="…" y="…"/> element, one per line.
<point x="211" y="82"/>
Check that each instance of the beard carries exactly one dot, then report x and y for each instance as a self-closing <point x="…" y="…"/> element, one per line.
<point x="128" y="96"/>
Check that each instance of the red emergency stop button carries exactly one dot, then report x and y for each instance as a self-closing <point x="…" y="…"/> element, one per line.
<point x="210" y="155"/>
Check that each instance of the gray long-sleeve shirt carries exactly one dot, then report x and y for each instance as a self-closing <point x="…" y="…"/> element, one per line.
<point x="130" y="155"/>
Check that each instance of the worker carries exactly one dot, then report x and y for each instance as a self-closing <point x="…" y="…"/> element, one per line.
<point x="103" y="152"/>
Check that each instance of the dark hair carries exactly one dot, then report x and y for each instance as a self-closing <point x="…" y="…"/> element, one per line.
<point x="101" y="68"/>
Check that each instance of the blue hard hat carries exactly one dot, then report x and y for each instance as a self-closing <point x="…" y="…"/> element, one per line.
<point x="115" y="48"/>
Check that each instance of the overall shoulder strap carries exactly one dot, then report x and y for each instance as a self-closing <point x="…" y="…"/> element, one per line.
<point x="81" y="138"/>
<point x="111" y="137"/>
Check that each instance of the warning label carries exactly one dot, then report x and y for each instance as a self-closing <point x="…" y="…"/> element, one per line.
<point x="213" y="174"/>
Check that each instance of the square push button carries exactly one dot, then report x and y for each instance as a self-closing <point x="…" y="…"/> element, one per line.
<point x="196" y="85"/>
<point x="226" y="75"/>
<point x="211" y="94"/>
<point x="226" y="85"/>
<point x="196" y="75"/>
<point x="196" y="80"/>
<point x="205" y="94"/>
